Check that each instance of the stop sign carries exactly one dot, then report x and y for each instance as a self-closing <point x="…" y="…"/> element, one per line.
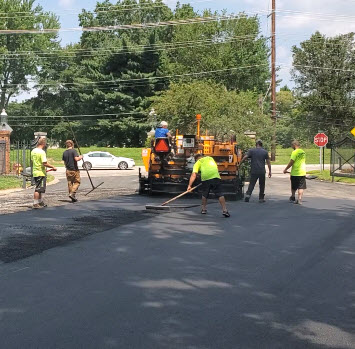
<point x="321" y="139"/>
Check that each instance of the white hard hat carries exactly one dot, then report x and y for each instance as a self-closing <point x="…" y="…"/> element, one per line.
<point x="163" y="123"/>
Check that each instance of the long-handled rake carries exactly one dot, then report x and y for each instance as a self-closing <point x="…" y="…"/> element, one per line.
<point x="163" y="206"/>
<point x="87" y="171"/>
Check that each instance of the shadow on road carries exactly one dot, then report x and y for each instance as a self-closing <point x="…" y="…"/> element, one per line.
<point x="272" y="276"/>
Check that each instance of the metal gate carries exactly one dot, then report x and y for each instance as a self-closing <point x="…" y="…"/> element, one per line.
<point x="343" y="158"/>
<point x="2" y="157"/>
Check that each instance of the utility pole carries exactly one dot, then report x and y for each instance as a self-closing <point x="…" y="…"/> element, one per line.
<point x="273" y="78"/>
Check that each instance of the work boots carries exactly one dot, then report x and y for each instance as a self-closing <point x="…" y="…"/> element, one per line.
<point x="73" y="198"/>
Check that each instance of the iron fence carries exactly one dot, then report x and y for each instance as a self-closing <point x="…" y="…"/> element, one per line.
<point x="20" y="160"/>
<point x="343" y="158"/>
<point x="2" y="157"/>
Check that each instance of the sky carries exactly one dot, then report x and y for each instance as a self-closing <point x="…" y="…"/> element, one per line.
<point x="296" y="20"/>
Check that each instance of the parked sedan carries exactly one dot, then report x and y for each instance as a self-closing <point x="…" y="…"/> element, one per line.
<point x="102" y="159"/>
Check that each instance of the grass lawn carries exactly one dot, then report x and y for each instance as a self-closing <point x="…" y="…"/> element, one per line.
<point x="9" y="182"/>
<point x="12" y="182"/>
<point x="325" y="176"/>
<point x="312" y="156"/>
<point x="282" y="155"/>
<point x="55" y="155"/>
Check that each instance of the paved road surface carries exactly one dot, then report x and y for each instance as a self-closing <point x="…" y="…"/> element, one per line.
<point x="274" y="275"/>
<point x="115" y="183"/>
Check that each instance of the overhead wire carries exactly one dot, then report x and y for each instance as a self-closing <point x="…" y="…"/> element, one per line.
<point x="125" y="6"/>
<point x="70" y="116"/>
<point x="93" y="83"/>
<point x="141" y="48"/>
<point x="113" y="83"/>
<point x="132" y="49"/>
<point x="165" y="23"/>
<point x="195" y="20"/>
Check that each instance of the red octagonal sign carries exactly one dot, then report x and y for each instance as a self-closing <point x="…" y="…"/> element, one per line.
<point x="321" y="139"/>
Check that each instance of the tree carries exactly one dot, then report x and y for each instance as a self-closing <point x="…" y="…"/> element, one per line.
<point x="233" y="45"/>
<point x="110" y="78"/>
<point x="324" y="76"/>
<point x="223" y="112"/>
<point x="20" y="55"/>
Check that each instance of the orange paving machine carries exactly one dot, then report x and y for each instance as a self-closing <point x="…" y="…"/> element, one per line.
<point x="169" y="163"/>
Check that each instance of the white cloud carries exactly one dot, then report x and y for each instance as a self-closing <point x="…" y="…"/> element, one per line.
<point x="66" y="3"/>
<point x="293" y="22"/>
<point x="336" y="28"/>
<point x="328" y="16"/>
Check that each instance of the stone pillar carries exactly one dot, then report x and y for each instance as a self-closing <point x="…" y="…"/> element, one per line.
<point x="5" y="152"/>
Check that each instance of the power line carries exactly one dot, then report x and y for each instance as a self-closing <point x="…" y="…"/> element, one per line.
<point x="141" y="48"/>
<point x="317" y="67"/>
<point x="128" y="7"/>
<point x="157" y="45"/>
<point x="130" y="49"/>
<point x="196" y="20"/>
<point x="113" y="82"/>
<point x="71" y="116"/>
<point x="155" y="24"/>
<point x="315" y="14"/>
<point x="327" y="122"/>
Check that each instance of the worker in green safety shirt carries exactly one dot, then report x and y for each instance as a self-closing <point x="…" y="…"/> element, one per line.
<point x="39" y="165"/>
<point x="298" y="173"/>
<point x="211" y="180"/>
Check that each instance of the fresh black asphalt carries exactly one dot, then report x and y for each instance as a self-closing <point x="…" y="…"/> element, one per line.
<point x="274" y="275"/>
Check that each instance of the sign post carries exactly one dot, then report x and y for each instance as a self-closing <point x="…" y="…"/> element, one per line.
<point x="321" y="140"/>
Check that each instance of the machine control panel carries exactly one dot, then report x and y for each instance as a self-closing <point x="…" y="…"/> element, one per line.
<point x="189" y="142"/>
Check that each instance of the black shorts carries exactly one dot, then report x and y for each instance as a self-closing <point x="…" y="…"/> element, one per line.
<point x="215" y="185"/>
<point x="40" y="183"/>
<point x="298" y="182"/>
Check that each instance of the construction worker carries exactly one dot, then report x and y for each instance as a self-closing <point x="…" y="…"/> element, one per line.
<point x="39" y="164"/>
<point x="211" y="180"/>
<point x="258" y="158"/>
<point x="71" y="158"/>
<point x="162" y="131"/>
<point x="298" y="172"/>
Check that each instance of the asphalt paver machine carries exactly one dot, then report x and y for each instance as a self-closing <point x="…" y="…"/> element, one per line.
<point x="169" y="163"/>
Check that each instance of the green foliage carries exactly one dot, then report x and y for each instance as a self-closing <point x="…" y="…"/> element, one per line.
<point x="16" y="70"/>
<point x="227" y="44"/>
<point x="224" y="112"/>
<point x="113" y="76"/>
<point x="323" y="72"/>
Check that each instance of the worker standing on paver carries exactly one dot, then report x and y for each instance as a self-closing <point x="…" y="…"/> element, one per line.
<point x="71" y="158"/>
<point x="211" y="180"/>
<point x="258" y="157"/>
<point x="39" y="164"/>
<point x="162" y="131"/>
<point x="298" y="173"/>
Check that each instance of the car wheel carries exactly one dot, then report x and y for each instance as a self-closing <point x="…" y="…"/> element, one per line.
<point x="87" y="165"/>
<point x="123" y="165"/>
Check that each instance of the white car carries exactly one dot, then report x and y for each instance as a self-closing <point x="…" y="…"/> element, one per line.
<point x="102" y="159"/>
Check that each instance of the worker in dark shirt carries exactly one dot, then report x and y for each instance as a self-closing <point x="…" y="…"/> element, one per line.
<point x="71" y="158"/>
<point x="258" y="156"/>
